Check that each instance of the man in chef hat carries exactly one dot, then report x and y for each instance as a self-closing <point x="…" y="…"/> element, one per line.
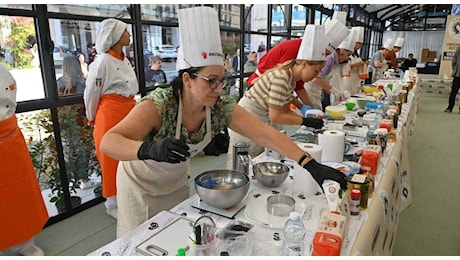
<point x="336" y="32"/>
<point x="391" y="54"/>
<point x="378" y="64"/>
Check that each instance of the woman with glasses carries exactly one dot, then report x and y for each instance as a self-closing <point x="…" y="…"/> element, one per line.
<point x="156" y="140"/>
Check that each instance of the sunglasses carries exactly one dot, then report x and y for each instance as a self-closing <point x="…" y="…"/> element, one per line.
<point x="214" y="83"/>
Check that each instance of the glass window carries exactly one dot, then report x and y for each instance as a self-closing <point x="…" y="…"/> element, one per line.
<point x="16" y="6"/>
<point x="299" y="20"/>
<point x="19" y="52"/>
<point x="82" y="166"/>
<point x="119" y="11"/>
<point x="279" y="19"/>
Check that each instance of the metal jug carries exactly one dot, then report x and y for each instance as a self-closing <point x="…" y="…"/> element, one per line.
<point x="241" y="158"/>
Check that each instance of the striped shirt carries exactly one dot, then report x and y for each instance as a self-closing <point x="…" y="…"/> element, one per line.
<point x="273" y="89"/>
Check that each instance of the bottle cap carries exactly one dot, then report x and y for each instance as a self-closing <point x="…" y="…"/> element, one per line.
<point x="294" y="215"/>
<point x="181" y="252"/>
<point x="355" y="193"/>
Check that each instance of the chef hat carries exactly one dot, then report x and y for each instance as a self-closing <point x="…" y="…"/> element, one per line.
<point x="336" y="32"/>
<point x="314" y="43"/>
<point x="399" y="42"/>
<point x="389" y="44"/>
<point x="349" y="42"/>
<point x="340" y="16"/>
<point x="360" y="31"/>
<point x="108" y="34"/>
<point x="199" y="38"/>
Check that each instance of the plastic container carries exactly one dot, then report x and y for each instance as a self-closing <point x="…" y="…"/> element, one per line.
<point x="294" y="234"/>
<point x="355" y="201"/>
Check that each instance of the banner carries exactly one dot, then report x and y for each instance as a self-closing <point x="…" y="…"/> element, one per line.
<point x="451" y="42"/>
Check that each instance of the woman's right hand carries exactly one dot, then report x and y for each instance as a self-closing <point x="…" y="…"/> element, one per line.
<point x="165" y="150"/>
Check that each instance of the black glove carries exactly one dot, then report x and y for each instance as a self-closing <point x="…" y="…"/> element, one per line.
<point x="312" y="122"/>
<point x="165" y="150"/>
<point x="322" y="172"/>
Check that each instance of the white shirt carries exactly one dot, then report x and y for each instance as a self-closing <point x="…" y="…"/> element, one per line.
<point x="108" y="75"/>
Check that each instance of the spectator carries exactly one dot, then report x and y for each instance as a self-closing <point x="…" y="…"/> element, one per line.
<point x="154" y="75"/>
<point x="84" y="66"/>
<point x="251" y="64"/>
<point x="236" y="61"/>
<point x="24" y="213"/>
<point x="409" y="62"/>
<point x="72" y="80"/>
<point x="456" y="82"/>
<point x="35" y="59"/>
<point x="261" y="47"/>
<point x="131" y="58"/>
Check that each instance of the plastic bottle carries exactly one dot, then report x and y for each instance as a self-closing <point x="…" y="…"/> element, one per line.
<point x="355" y="201"/>
<point x="294" y="234"/>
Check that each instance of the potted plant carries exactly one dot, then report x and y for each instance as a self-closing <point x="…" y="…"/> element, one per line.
<point x="78" y="150"/>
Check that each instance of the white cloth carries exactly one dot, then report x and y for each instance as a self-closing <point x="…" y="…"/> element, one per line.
<point x="108" y="34"/>
<point x="7" y="93"/>
<point x="314" y="43"/>
<point x="353" y="82"/>
<point x="108" y="75"/>
<point x="145" y="187"/>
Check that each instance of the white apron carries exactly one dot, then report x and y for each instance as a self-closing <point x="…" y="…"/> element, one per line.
<point x="315" y="91"/>
<point x="377" y="73"/>
<point x="353" y="82"/>
<point x="146" y="187"/>
<point x="254" y="149"/>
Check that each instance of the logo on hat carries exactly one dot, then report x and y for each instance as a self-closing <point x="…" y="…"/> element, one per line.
<point x="204" y="55"/>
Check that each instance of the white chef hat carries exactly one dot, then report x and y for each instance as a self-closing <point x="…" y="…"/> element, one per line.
<point x="199" y="38"/>
<point x="389" y="44"/>
<point x="349" y="42"/>
<point x="399" y="42"/>
<point x="108" y="34"/>
<point x="314" y="43"/>
<point x="340" y="16"/>
<point x="336" y="32"/>
<point x="360" y="31"/>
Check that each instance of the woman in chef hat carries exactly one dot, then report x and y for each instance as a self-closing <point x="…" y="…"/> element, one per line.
<point x="270" y="97"/>
<point x="357" y="65"/>
<point x="176" y="123"/>
<point x="24" y="213"/>
<point x="377" y="64"/>
<point x="336" y="33"/>
<point x="341" y="71"/>
<point x="110" y="89"/>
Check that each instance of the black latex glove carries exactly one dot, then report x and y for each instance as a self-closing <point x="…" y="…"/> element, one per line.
<point x="313" y="122"/>
<point x="322" y="172"/>
<point x="165" y="150"/>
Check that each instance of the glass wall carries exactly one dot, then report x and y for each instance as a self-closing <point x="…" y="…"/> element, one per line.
<point x="49" y="47"/>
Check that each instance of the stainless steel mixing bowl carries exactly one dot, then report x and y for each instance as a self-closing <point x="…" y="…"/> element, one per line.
<point x="270" y="174"/>
<point x="222" y="188"/>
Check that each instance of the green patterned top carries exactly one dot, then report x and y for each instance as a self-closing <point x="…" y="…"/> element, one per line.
<point x="167" y="106"/>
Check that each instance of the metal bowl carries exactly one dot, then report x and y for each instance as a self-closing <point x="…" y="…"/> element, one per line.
<point x="222" y="188"/>
<point x="270" y="174"/>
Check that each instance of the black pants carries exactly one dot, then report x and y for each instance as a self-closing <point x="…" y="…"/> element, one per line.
<point x="453" y="93"/>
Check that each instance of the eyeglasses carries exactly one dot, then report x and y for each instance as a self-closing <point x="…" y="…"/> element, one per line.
<point x="214" y="83"/>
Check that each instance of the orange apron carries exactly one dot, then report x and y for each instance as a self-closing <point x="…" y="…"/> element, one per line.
<point x="24" y="213"/>
<point x="111" y="110"/>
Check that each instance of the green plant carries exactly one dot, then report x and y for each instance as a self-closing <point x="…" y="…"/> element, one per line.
<point x="78" y="149"/>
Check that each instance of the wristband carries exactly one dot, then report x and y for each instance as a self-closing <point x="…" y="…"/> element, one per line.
<point x="305" y="155"/>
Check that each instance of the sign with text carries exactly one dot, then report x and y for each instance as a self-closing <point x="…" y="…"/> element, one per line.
<point x="451" y="42"/>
